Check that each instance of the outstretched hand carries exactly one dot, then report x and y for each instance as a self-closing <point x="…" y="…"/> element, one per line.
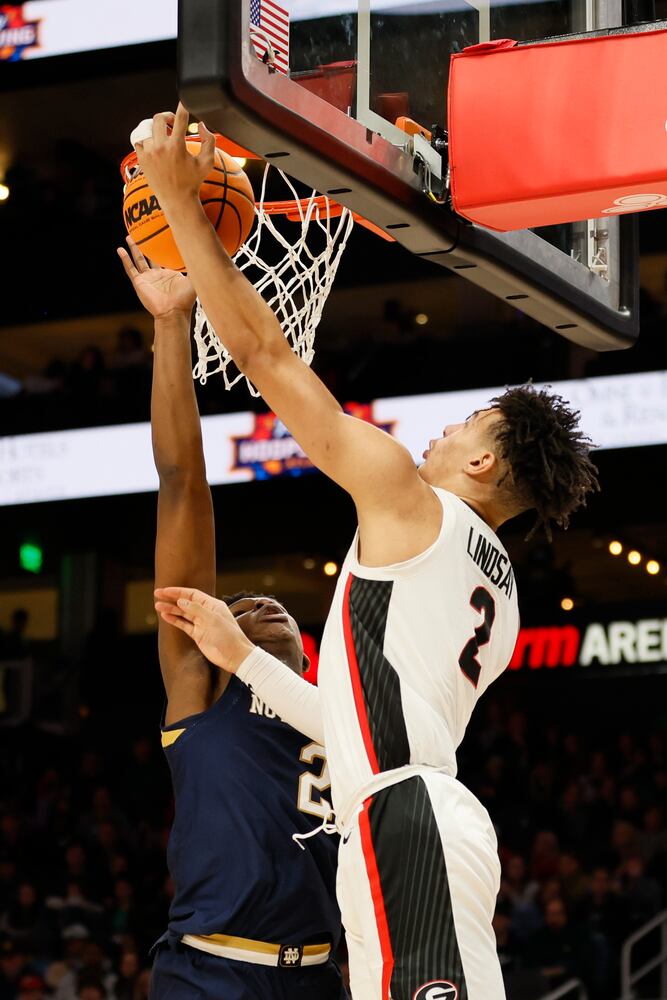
<point x="209" y="623"/>
<point x="159" y="290"/>
<point x="173" y="172"/>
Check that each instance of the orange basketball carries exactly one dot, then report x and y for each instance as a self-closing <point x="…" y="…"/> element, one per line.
<point x="228" y="201"/>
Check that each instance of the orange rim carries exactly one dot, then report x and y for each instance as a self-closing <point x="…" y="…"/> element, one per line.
<point x="226" y="145"/>
<point x="292" y="209"/>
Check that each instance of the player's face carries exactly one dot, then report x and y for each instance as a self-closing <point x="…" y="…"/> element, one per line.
<point x="268" y="624"/>
<point x="459" y="445"/>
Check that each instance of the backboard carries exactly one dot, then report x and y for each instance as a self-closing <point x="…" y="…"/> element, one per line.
<point x="317" y="86"/>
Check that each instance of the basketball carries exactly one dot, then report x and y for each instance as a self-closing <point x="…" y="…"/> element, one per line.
<point x="227" y="198"/>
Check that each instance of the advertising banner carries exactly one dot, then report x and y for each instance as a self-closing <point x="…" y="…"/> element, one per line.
<point x="620" y="411"/>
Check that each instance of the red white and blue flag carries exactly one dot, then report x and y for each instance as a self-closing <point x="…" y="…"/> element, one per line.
<point x="270" y="23"/>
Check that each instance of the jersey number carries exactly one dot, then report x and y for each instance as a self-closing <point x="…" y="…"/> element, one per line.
<point x="482" y="602"/>
<point x="311" y="783"/>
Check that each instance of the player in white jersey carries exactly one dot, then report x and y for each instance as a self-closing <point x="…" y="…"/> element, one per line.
<point x="424" y="618"/>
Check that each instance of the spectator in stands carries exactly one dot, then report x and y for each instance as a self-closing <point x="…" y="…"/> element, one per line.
<point x="623" y="842"/>
<point x="93" y="967"/>
<point x="602" y="911"/>
<point x="13" y="966"/>
<point x="73" y="909"/>
<point x="653" y="836"/>
<point x="92" y="990"/>
<point x="559" y="950"/>
<point x="24" y="920"/>
<point x="573" y="822"/>
<point x="122" y="919"/>
<point x="520" y="896"/>
<point x="639" y="893"/>
<point x="574" y="883"/>
<point x="129" y="969"/>
<point x="31" y="988"/>
<point x="545" y="856"/>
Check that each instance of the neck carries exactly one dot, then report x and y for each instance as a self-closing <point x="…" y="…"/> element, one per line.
<point x="478" y="500"/>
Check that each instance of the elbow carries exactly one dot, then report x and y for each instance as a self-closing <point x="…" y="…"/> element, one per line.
<point x="178" y="478"/>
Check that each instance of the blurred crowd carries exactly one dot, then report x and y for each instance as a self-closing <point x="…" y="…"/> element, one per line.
<point x="582" y="836"/>
<point x="97" y="389"/>
<point x="91" y="390"/>
<point x="84" y="821"/>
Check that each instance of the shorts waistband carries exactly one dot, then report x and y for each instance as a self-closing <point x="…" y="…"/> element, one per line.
<point x="283" y="956"/>
<point x="346" y="813"/>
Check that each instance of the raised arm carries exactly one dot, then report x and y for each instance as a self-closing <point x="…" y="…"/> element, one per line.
<point x="185" y="541"/>
<point x="372" y="466"/>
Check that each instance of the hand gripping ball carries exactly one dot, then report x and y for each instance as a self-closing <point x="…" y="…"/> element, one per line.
<point x="226" y="195"/>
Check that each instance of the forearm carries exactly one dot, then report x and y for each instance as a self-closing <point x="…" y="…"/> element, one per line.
<point x="240" y="316"/>
<point x="292" y="698"/>
<point x="176" y="429"/>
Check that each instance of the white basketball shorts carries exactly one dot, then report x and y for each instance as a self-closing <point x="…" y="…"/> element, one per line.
<point x="418" y="878"/>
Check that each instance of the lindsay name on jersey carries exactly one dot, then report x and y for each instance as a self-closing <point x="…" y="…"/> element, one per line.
<point x="494" y="565"/>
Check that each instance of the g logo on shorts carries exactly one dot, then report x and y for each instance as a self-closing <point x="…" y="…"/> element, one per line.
<point x="438" y="989"/>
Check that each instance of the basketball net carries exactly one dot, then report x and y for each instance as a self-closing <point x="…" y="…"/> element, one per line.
<point x="295" y="286"/>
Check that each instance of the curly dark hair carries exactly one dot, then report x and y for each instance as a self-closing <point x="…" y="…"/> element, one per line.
<point x="547" y="455"/>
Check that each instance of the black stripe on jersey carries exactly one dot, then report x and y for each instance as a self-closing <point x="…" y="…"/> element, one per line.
<point x="369" y="606"/>
<point x="417" y="900"/>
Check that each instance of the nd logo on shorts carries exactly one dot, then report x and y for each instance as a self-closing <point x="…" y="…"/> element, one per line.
<point x="439" y="989"/>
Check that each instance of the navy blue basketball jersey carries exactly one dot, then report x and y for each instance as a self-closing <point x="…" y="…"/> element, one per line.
<point x="244" y="783"/>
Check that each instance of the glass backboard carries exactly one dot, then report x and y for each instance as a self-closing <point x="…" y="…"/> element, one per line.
<point x="318" y="86"/>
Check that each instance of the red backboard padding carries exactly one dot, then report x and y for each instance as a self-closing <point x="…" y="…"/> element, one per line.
<point x="557" y="132"/>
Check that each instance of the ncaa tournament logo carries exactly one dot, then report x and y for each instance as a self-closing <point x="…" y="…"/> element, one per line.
<point x="270" y="450"/>
<point x="16" y="34"/>
<point x="439" y="989"/>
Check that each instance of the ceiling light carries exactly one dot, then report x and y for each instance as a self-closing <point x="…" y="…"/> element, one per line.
<point x="653" y="567"/>
<point x="4" y="192"/>
<point x="421" y="319"/>
<point x="330" y="569"/>
<point x="615" y="548"/>
<point x="634" y="557"/>
<point x="193" y="129"/>
<point x="309" y="564"/>
<point x="567" y="604"/>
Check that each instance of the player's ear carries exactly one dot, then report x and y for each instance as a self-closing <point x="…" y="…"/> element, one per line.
<point x="305" y="667"/>
<point x="484" y="463"/>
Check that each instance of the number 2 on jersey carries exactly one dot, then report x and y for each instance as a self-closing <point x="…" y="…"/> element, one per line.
<point x="482" y="601"/>
<point x="314" y="805"/>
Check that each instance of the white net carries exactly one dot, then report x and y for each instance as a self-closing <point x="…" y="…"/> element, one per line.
<point x="294" y="273"/>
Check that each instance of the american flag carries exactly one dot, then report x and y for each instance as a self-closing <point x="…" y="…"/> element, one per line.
<point x="268" y="21"/>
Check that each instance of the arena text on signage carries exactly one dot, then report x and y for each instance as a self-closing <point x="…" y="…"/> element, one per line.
<point x="594" y="645"/>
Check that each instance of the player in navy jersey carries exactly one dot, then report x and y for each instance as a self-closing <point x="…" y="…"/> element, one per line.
<point x="254" y="912"/>
<point x="424" y="618"/>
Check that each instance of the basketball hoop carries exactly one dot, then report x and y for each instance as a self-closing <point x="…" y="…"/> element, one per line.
<point x="294" y="273"/>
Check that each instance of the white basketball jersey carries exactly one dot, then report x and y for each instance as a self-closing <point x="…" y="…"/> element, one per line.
<point x="409" y="648"/>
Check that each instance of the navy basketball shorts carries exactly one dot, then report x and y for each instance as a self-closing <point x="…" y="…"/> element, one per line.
<point x="184" y="973"/>
<point x="418" y="877"/>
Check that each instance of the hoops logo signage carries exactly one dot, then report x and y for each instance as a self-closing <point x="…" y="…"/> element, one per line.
<point x="440" y="989"/>
<point x="272" y="451"/>
<point x="16" y="34"/>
